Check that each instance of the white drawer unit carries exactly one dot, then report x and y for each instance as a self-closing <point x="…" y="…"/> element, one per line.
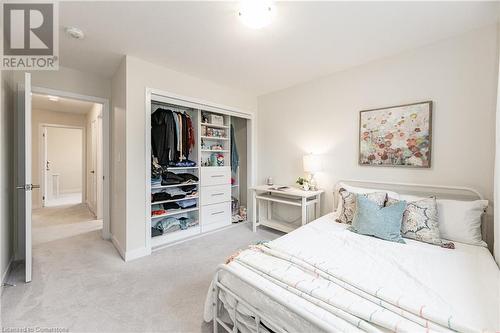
<point x="215" y="216"/>
<point x="215" y="194"/>
<point x="215" y="176"/>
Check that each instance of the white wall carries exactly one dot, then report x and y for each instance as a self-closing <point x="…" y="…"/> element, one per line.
<point x="71" y="80"/>
<point x="141" y="74"/>
<point x="47" y="117"/>
<point x="6" y="170"/>
<point x="321" y="116"/>
<point x="65" y="153"/>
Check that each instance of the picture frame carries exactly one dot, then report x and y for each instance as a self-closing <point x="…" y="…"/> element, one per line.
<point x="396" y="136"/>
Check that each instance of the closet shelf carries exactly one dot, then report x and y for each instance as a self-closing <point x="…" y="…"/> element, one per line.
<point x="213" y="138"/>
<point x="214" y="126"/>
<point x="182" y="168"/>
<point x="215" y="150"/>
<point x="170" y="237"/>
<point x="174" y="200"/>
<point x="175" y="212"/>
<point x="174" y="185"/>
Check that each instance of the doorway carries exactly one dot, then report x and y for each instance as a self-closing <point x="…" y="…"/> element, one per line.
<point x="62" y="166"/>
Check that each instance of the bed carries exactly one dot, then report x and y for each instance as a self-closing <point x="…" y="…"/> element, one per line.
<point x="324" y="278"/>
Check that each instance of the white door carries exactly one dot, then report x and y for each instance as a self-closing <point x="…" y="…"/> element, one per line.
<point x="23" y="177"/>
<point x="93" y="167"/>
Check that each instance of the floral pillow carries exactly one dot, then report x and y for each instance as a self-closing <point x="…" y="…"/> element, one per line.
<point x="348" y="203"/>
<point x="420" y="221"/>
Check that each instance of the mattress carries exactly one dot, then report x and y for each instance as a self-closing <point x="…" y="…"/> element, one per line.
<point x="463" y="281"/>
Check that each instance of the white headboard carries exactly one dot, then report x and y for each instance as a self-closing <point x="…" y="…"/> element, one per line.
<point x="423" y="190"/>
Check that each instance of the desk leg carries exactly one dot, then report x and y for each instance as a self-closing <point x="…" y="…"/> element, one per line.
<point x="254" y="211"/>
<point x="318" y="206"/>
<point x="304" y="211"/>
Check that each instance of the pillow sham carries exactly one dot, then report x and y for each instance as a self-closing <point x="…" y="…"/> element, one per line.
<point x="363" y="190"/>
<point x="460" y="221"/>
<point x="382" y="222"/>
<point x="348" y="204"/>
<point x="420" y="220"/>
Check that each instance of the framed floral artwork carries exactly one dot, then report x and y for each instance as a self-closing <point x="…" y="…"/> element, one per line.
<point x="399" y="136"/>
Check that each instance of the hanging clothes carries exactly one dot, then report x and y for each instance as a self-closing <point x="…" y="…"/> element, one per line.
<point x="163" y="138"/>
<point x="172" y="137"/>
<point x="235" y="158"/>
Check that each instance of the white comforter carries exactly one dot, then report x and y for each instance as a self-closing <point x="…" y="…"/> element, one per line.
<point x="350" y="282"/>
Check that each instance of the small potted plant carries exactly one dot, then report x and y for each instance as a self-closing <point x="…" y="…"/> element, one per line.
<point x="303" y="182"/>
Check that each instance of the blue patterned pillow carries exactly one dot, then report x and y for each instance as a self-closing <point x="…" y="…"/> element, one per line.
<point x="381" y="222"/>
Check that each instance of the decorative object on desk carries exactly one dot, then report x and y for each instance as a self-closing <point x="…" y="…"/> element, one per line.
<point x="396" y="136"/>
<point x="269" y="181"/>
<point x="217" y="159"/>
<point x="312" y="164"/>
<point x="303" y="182"/>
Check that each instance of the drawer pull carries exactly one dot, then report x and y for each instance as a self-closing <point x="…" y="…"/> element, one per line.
<point x="217" y="213"/>
<point x="216" y="194"/>
<point x="217" y="176"/>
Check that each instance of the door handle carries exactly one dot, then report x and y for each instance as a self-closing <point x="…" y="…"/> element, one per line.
<point x="27" y="187"/>
<point x="92" y="171"/>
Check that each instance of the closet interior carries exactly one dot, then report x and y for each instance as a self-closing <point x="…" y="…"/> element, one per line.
<point x="198" y="171"/>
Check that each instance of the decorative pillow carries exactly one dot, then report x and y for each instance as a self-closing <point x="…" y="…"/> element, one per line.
<point x="420" y="221"/>
<point x="460" y="221"/>
<point x="348" y="203"/>
<point x="381" y="222"/>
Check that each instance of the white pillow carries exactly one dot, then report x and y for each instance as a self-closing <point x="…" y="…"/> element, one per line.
<point x="362" y="190"/>
<point x="460" y="221"/>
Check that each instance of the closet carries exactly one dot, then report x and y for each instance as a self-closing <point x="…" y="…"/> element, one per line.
<point x="198" y="174"/>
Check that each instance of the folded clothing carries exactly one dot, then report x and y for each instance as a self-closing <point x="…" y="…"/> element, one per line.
<point x="183" y="163"/>
<point x="171" y="205"/>
<point x="158" y="212"/>
<point x="169" y="223"/>
<point x="189" y="189"/>
<point x="187" y="203"/>
<point x="188" y="177"/>
<point x="170" y="178"/>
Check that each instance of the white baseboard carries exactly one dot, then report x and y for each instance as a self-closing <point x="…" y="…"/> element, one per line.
<point x="130" y="255"/>
<point x="118" y="247"/>
<point x="7" y="270"/>
<point x="137" y="253"/>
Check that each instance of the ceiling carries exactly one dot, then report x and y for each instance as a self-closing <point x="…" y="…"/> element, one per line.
<point x="305" y="40"/>
<point x="42" y="102"/>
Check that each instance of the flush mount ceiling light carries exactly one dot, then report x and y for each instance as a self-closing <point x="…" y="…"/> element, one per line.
<point x="53" y="98"/>
<point x="74" y="32"/>
<point x="256" y="14"/>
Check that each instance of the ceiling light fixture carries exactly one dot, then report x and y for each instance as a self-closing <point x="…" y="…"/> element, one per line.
<point x="53" y="98"/>
<point x="74" y="32"/>
<point x="256" y="14"/>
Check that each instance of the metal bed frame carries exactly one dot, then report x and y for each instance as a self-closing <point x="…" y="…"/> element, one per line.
<point x="448" y="192"/>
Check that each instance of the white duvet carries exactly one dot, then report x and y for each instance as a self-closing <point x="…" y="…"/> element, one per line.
<point x="348" y="282"/>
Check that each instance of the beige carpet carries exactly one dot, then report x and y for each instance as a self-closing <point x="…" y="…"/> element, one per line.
<point x="81" y="283"/>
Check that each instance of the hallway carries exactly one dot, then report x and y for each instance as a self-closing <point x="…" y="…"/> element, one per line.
<point x="54" y="223"/>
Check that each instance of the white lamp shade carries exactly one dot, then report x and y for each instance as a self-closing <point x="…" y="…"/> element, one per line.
<point x="312" y="163"/>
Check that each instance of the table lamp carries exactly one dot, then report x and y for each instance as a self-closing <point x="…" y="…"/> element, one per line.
<point x="312" y="164"/>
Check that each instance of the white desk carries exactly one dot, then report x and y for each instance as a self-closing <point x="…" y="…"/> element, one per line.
<point x="292" y="196"/>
